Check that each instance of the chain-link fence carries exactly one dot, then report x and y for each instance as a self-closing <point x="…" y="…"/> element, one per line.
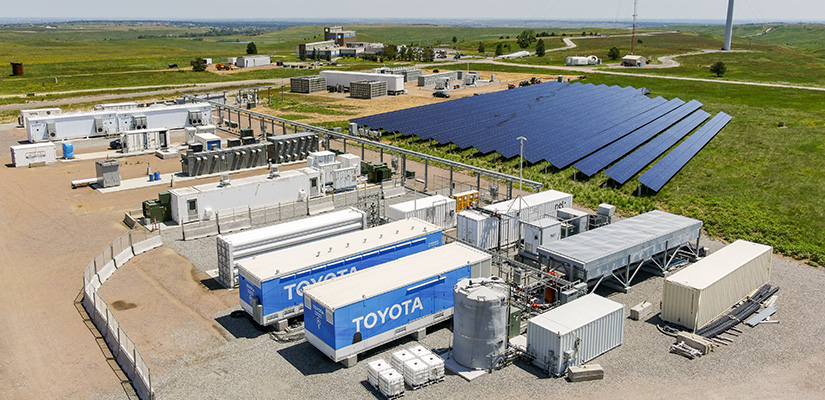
<point x="114" y="256"/>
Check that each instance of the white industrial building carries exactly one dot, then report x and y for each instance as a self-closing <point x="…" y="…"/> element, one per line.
<point x="253" y="61"/>
<point x="518" y="54"/>
<point x="203" y="201"/>
<point x="85" y="124"/>
<point x="23" y="118"/>
<point x="395" y="83"/>
<point x="26" y="154"/>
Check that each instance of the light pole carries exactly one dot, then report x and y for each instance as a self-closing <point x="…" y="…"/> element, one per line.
<point x="521" y="139"/>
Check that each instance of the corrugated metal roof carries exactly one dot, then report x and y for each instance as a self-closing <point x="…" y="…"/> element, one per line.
<point x="131" y="111"/>
<point x="251" y="180"/>
<point x="528" y="201"/>
<point x="543" y="223"/>
<point x="367" y="283"/>
<point x="254" y="235"/>
<point x="425" y="202"/>
<point x="595" y="244"/>
<point x="283" y="262"/>
<point x="719" y="264"/>
<point x="473" y="215"/>
<point x="576" y="314"/>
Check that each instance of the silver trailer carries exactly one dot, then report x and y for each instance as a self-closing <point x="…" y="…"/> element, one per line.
<point x="618" y="250"/>
<point x="236" y="247"/>
<point x="575" y="333"/>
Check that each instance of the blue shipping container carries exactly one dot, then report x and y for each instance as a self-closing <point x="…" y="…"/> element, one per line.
<point x="271" y="284"/>
<point x="360" y="311"/>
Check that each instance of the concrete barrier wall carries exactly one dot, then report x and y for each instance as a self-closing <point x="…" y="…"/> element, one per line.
<point x="104" y="265"/>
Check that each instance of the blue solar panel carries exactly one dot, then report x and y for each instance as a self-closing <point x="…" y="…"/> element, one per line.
<point x="554" y="117"/>
<point x="612" y="152"/>
<point x="632" y="164"/>
<point x="661" y="172"/>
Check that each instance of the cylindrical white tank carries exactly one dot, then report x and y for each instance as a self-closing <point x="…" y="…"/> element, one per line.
<point x="480" y="322"/>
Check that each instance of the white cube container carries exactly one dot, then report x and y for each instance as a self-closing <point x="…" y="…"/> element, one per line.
<point x="391" y="382"/>
<point x="26" y="154"/>
<point x="374" y="369"/>
<point x="435" y="365"/>
<point x="419" y="351"/>
<point x="416" y="372"/>
<point x="400" y="357"/>
<point x="438" y="210"/>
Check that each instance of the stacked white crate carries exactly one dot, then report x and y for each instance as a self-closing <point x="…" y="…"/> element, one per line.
<point x="416" y="372"/>
<point x="374" y="369"/>
<point x="419" y="351"/>
<point x="391" y="383"/>
<point x="435" y="364"/>
<point x="400" y="357"/>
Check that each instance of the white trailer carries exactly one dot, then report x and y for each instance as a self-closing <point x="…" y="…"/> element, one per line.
<point x="129" y="105"/>
<point x="576" y="60"/>
<point x="698" y="294"/>
<point x="253" y="61"/>
<point x="395" y="83"/>
<point x="237" y="247"/>
<point x="22" y="119"/>
<point x="144" y="139"/>
<point x="438" y="210"/>
<point x="26" y="154"/>
<point x="85" y="124"/>
<point x="201" y="202"/>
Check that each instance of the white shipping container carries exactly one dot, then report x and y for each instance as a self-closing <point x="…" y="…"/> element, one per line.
<point x="25" y="154"/>
<point x="480" y="230"/>
<point x="23" y="119"/>
<point x="698" y="294"/>
<point x="395" y="83"/>
<point x="575" y="333"/>
<point x="540" y="233"/>
<point x="438" y="210"/>
<point x="203" y="201"/>
<point x="529" y="208"/>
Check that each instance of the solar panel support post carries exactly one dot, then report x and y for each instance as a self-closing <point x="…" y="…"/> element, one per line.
<point x="509" y="190"/>
<point x="382" y="154"/>
<point x="451" y="181"/>
<point x="345" y="145"/>
<point x="362" y="151"/>
<point x="426" y="174"/>
<point x="283" y="127"/>
<point x="403" y="170"/>
<point x="478" y="184"/>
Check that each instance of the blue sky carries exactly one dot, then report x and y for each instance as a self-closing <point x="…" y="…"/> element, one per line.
<point x="611" y="10"/>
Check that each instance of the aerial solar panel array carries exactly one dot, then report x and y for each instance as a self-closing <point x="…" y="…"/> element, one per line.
<point x="588" y="126"/>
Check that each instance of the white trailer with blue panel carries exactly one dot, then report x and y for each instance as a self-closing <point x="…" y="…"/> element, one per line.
<point x="347" y="316"/>
<point x="271" y="285"/>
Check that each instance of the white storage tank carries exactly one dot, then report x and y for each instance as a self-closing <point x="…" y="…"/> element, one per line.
<point x="391" y="383"/>
<point x="438" y="210"/>
<point x="26" y="154"/>
<point x="374" y="368"/>
<point x="480" y="322"/>
<point x="416" y="372"/>
<point x="575" y="333"/>
<point x="698" y="294"/>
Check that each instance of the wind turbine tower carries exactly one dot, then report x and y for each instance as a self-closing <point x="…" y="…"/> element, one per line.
<point x="729" y="26"/>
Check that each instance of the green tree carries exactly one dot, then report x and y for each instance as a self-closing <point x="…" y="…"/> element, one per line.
<point x="251" y="48"/>
<point x="391" y="52"/>
<point x="481" y="47"/>
<point x="455" y="39"/>
<point x="614" y="53"/>
<point x="199" y="65"/>
<point x="718" y="68"/>
<point x="429" y="55"/>
<point x="540" y="48"/>
<point x="526" y="38"/>
<point x="499" y="49"/>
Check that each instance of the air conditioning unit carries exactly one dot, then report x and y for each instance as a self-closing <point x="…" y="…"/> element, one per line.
<point x="99" y="126"/>
<point x="139" y="122"/>
<point x="195" y="117"/>
<point x="51" y="129"/>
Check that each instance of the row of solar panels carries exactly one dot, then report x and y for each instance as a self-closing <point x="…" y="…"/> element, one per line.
<point x="585" y="125"/>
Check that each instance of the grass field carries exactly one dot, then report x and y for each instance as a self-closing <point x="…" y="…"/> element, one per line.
<point x="756" y="180"/>
<point x="760" y="179"/>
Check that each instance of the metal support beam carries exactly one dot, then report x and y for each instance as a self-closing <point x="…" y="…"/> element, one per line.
<point x="729" y="27"/>
<point x="478" y="183"/>
<point x="509" y="190"/>
<point x="426" y="175"/>
<point x="382" y="155"/>
<point x="403" y="169"/>
<point x="451" y="181"/>
<point x="345" y="145"/>
<point x="362" y="151"/>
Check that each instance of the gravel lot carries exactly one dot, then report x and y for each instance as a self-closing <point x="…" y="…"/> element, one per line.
<point x="768" y="361"/>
